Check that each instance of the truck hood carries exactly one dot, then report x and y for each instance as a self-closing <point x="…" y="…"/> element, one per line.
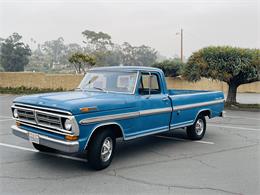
<point x="72" y="101"/>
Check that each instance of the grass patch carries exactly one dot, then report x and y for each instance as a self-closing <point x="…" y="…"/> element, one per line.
<point x="26" y="90"/>
<point x="246" y="107"/>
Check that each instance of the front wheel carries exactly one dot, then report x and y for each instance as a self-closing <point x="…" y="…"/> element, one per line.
<point x="198" y="129"/>
<point x="101" y="149"/>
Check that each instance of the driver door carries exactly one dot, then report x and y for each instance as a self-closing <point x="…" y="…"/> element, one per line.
<point x="155" y="106"/>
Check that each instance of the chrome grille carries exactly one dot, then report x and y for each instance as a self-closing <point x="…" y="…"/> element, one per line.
<point x="27" y="115"/>
<point x="49" y="120"/>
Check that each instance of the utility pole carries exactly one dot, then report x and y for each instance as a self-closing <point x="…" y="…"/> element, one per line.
<point x="182" y="45"/>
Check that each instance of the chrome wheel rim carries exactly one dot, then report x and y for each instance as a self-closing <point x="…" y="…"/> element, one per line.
<point x="199" y="127"/>
<point x="106" y="149"/>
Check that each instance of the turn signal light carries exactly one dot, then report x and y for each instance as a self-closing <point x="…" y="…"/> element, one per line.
<point x="71" y="137"/>
<point x="87" y="109"/>
<point x="18" y="124"/>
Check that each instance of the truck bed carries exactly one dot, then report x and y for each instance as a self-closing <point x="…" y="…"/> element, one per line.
<point x="188" y="103"/>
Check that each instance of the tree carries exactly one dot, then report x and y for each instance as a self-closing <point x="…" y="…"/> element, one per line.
<point x="107" y="53"/>
<point x="138" y="56"/>
<point x="171" y="68"/>
<point x="235" y="66"/>
<point x="72" y="48"/>
<point x="14" y="53"/>
<point x="55" y="50"/>
<point x="97" y="41"/>
<point x="82" y="62"/>
<point x="145" y="55"/>
<point x="38" y="61"/>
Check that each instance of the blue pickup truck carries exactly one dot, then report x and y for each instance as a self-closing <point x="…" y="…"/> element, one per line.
<point x="112" y="102"/>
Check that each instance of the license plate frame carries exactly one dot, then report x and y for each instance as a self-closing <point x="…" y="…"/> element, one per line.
<point x="34" y="137"/>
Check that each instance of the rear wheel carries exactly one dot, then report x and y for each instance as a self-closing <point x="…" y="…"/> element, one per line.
<point x="42" y="148"/>
<point x="101" y="149"/>
<point x="198" y="129"/>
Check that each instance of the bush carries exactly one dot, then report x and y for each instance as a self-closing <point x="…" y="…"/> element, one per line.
<point x="1" y="68"/>
<point x="26" y="90"/>
<point x="171" y="68"/>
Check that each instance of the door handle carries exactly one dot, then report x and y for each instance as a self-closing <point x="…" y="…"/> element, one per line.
<point x="165" y="99"/>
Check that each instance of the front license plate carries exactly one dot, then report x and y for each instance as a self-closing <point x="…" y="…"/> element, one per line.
<point x="34" y="138"/>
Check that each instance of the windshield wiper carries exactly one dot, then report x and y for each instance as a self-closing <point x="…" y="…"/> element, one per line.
<point x="100" y="89"/>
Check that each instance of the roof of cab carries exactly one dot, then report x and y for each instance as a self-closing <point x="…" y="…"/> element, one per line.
<point x="127" y="68"/>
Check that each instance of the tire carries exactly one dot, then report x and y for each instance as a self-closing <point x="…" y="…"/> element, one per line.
<point x="103" y="142"/>
<point x="42" y="148"/>
<point x="198" y="129"/>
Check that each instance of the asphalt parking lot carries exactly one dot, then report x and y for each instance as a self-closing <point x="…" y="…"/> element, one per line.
<point x="226" y="161"/>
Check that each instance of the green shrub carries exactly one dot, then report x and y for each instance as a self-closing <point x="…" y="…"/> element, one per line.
<point x="26" y="90"/>
<point x="171" y="68"/>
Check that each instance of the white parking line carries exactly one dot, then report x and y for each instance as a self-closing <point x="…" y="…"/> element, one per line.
<point x="241" y="117"/>
<point x="51" y="154"/>
<point x="1" y="116"/>
<point x="180" y="139"/>
<point x="3" y="120"/>
<point x="234" y="127"/>
<point x="204" y="142"/>
<point x="18" y="147"/>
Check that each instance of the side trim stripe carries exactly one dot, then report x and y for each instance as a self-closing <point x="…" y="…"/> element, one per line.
<point x="200" y="93"/>
<point x="109" y="117"/>
<point x="145" y="112"/>
<point x="125" y="115"/>
<point x="188" y="106"/>
<point x="155" y="111"/>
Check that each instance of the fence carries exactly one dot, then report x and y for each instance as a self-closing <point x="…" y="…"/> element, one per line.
<point x="70" y="81"/>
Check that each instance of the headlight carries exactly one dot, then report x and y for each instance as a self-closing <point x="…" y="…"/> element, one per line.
<point x="15" y="113"/>
<point x="68" y="124"/>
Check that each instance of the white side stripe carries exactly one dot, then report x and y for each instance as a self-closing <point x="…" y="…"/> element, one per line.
<point x="188" y="106"/>
<point x="146" y="112"/>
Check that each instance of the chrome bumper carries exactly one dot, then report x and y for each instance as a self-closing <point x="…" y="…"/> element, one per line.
<point x="65" y="146"/>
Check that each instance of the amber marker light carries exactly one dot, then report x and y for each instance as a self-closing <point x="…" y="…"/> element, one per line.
<point x="71" y="137"/>
<point x="17" y="124"/>
<point x="87" y="109"/>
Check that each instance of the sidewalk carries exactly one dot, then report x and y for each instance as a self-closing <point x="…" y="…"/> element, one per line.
<point x="247" y="98"/>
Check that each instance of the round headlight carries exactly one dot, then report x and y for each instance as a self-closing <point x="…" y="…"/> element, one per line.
<point x="68" y="124"/>
<point x="15" y="113"/>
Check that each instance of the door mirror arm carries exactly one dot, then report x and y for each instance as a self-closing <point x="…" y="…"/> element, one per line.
<point x="149" y="85"/>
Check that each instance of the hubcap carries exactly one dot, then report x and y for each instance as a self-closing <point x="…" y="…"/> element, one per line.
<point x="106" y="149"/>
<point x="199" y="127"/>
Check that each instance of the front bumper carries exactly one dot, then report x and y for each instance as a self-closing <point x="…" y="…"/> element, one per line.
<point x="65" y="146"/>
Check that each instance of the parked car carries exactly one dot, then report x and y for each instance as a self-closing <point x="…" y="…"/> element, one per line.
<point x="112" y="102"/>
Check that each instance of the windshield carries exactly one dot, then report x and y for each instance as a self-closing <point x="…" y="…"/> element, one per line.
<point x="108" y="81"/>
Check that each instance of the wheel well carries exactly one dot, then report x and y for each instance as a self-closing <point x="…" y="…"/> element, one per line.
<point x="113" y="127"/>
<point x="205" y="113"/>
